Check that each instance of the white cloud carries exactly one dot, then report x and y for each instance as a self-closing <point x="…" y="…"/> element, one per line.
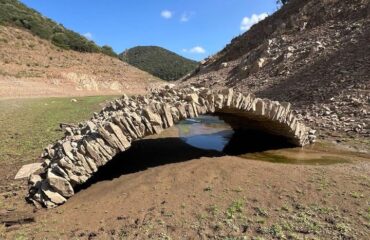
<point x="248" y="22"/>
<point x="185" y="17"/>
<point x="196" y="49"/>
<point x="166" y="14"/>
<point x="88" y="35"/>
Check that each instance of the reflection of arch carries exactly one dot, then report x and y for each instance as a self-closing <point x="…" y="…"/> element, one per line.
<point x="74" y="159"/>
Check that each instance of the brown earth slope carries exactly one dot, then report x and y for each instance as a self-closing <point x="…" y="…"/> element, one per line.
<point x="32" y="67"/>
<point x="313" y="53"/>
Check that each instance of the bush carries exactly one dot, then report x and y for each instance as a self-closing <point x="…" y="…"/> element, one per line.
<point x="60" y="40"/>
<point x="108" y="51"/>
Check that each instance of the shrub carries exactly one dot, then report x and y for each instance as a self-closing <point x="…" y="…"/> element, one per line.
<point x="108" y="51"/>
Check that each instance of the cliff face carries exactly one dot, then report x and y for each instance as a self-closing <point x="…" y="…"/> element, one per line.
<point x="313" y="53"/>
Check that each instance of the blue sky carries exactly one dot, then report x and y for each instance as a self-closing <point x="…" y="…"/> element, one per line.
<point x="194" y="29"/>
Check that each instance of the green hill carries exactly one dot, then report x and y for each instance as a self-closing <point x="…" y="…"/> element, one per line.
<point x="159" y="62"/>
<point x="15" y="13"/>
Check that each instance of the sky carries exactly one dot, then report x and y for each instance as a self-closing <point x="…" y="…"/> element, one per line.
<point x="194" y="29"/>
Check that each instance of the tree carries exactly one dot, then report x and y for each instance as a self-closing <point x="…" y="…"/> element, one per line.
<point x="108" y="51"/>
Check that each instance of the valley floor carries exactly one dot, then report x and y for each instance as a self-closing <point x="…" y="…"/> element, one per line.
<point x="163" y="188"/>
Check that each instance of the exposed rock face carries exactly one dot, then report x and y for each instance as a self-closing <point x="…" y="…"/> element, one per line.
<point x="75" y="158"/>
<point x="314" y="54"/>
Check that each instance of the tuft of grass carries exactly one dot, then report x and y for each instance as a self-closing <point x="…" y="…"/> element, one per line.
<point x="122" y="234"/>
<point x="356" y="195"/>
<point x="234" y="209"/>
<point x="286" y="208"/>
<point x="303" y="223"/>
<point x="261" y="212"/>
<point x="20" y="236"/>
<point x="277" y="231"/>
<point x="213" y="209"/>
<point x="343" y="228"/>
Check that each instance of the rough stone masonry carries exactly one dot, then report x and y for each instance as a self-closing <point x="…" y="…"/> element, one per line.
<point x="79" y="154"/>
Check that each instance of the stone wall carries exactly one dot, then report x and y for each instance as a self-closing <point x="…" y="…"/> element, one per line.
<point x="75" y="158"/>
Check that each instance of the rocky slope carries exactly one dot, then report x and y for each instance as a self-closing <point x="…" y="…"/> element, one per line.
<point x="313" y="53"/>
<point x="158" y="61"/>
<point x="33" y="67"/>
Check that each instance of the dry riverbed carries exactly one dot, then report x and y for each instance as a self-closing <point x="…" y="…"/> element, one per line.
<point x="163" y="188"/>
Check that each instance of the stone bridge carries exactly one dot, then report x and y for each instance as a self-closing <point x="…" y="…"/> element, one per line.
<point x="72" y="160"/>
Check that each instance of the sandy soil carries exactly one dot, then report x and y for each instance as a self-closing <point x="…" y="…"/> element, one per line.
<point x="164" y="189"/>
<point x="32" y="67"/>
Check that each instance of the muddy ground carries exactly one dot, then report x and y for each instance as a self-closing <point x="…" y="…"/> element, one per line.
<point x="163" y="188"/>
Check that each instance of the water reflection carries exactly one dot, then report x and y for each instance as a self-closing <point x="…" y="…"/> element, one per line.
<point x="212" y="133"/>
<point x="205" y="132"/>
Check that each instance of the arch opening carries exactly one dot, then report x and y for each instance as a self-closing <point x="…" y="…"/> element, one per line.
<point x="203" y="136"/>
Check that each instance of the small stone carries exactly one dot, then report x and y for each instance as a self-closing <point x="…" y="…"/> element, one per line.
<point x="192" y="98"/>
<point x="312" y="132"/>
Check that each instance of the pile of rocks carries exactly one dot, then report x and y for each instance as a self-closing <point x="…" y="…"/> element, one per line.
<point x="349" y="114"/>
<point x="75" y="158"/>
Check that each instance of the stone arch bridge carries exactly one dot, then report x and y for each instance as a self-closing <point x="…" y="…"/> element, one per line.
<point x="72" y="160"/>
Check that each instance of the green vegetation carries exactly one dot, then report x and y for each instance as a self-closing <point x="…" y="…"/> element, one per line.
<point x="109" y="51"/>
<point x="14" y="13"/>
<point x="159" y="62"/>
<point x="31" y="124"/>
<point x="234" y="209"/>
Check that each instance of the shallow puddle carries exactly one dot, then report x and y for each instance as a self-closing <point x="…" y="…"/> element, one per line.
<point x="298" y="156"/>
<point x="212" y="133"/>
<point x="205" y="132"/>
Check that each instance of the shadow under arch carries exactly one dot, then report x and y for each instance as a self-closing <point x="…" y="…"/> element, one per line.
<point x="149" y="153"/>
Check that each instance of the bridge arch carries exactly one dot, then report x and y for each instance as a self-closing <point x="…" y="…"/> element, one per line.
<point x="72" y="160"/>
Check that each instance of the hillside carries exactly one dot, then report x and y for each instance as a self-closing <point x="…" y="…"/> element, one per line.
<point x="14" y="13"/>
<point x="313" y="53"/>
<point x="34" y="67"/>
<point x="158" y="61"/>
